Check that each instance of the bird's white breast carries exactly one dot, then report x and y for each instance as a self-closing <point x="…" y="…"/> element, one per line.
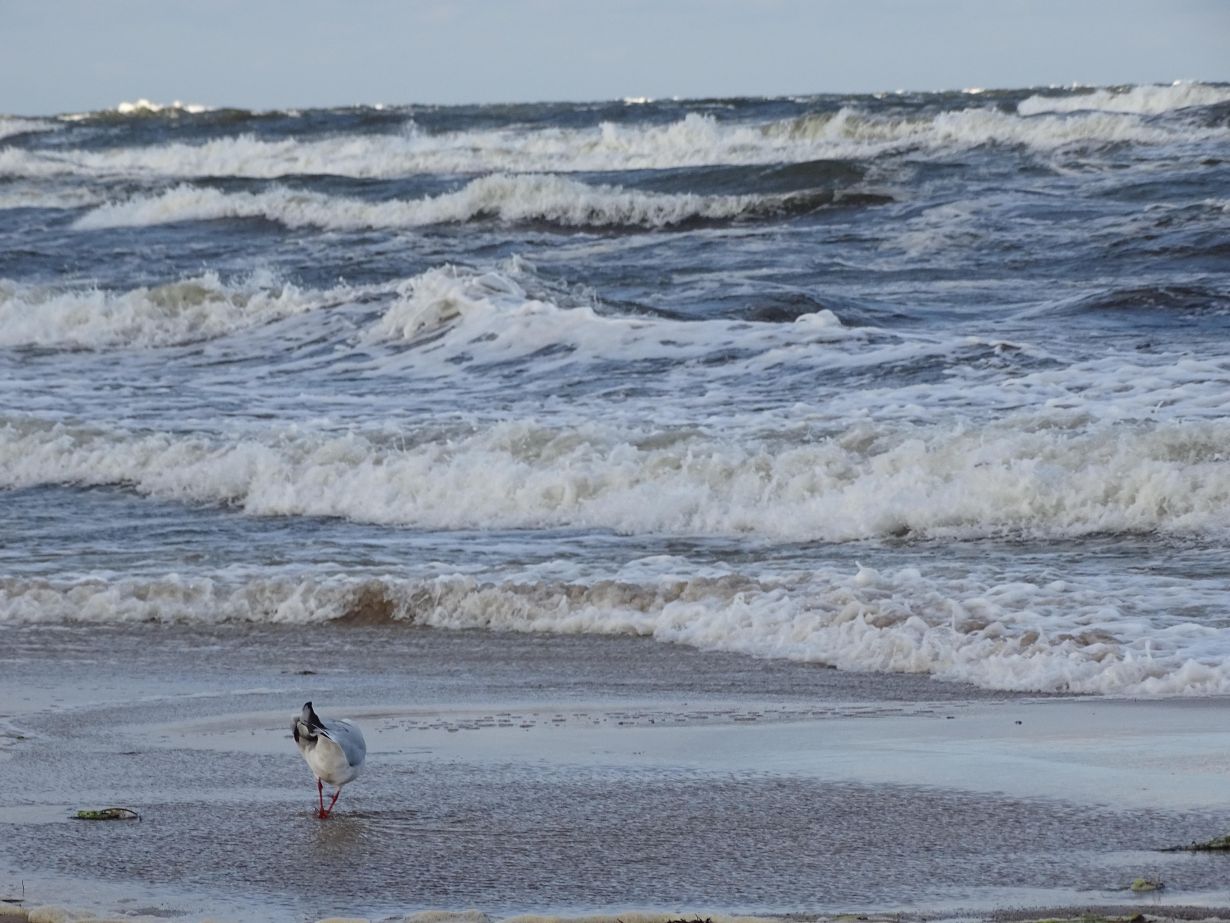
<point x="337" y="752"/>
<point x="329" y="763"/>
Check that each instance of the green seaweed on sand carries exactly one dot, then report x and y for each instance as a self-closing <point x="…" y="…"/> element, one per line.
<point x="107" y="814"/>
<point x="1147" y="884"/>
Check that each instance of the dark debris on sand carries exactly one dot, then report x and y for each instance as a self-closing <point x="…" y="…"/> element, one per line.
<point x="1107" y="914"/>
<point x="1217" y="844"/>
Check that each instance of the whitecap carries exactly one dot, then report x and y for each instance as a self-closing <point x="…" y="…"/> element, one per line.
<point x="1138" y="100"/>
<point x="507" y="197"/>
<point x="195" y="308"/>
<point x="145" y="107"/>
<point x="925" y="481"/>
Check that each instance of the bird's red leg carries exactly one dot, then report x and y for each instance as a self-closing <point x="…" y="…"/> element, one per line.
<point x="329" y="810"/>
<point x="320" y="793"/>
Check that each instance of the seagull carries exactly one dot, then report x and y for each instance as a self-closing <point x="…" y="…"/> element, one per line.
<point x="334" y="751"/>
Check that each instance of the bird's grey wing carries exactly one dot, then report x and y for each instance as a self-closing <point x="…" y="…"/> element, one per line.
<point x="347" y="736"/>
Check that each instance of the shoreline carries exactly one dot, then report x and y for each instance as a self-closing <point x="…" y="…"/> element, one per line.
<point x="1078" y="913"/>
<point x="584" y="775"/>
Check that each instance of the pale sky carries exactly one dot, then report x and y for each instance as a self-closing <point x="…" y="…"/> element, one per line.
<point x="78" y="55"/>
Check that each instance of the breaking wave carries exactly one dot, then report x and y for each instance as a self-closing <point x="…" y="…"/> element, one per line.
<point x="1005" y="479"/>
<point x="1058" y="636"/>
<point x="969" y="128"/>
<point x="197" y="308"/>
<point x="510" y="198"/>
<point x="145" y="107"/>
<point x="1138" y="100"/>
<point x="495" y="310"/>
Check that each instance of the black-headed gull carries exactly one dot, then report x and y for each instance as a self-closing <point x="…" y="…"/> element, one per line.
<point x="334" y="751"/>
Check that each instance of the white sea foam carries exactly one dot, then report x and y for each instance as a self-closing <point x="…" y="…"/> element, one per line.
<point x="197" y="308"/>
<point x="1140" y="100"/>
<point x="491" y="317"/>
<point x="1062" y="635"/>
<point x="974" y="127"/>
<point x="145" y="107"/>
<point x="693" y="140"/>
<point x="1007" y="478"/>
<point x="556" y="199"/>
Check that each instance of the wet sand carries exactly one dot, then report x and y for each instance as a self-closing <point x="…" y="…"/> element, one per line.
<point x="577" y="775"/>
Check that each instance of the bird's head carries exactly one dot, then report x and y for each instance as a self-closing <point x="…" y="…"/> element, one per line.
<point x="309" y="718"/>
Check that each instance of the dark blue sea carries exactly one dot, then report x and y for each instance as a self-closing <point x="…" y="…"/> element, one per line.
<point x="929" y="383"/>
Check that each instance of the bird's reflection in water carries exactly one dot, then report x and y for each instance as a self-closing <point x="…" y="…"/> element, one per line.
<point x="341" y="835"/>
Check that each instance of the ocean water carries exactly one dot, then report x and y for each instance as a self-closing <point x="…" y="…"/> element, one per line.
<point x="929" y="383"/>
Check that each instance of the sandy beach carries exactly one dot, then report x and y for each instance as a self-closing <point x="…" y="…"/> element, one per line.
<point x="514" y="774"/>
